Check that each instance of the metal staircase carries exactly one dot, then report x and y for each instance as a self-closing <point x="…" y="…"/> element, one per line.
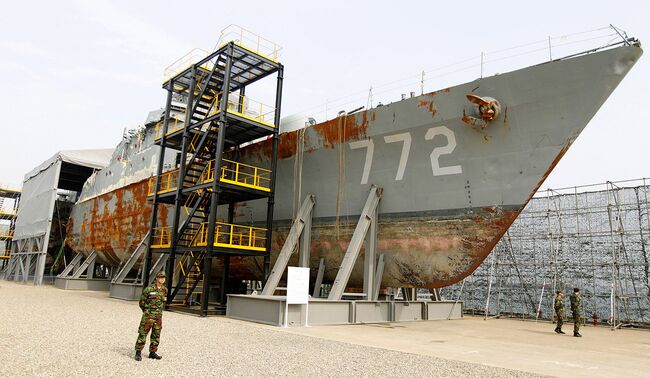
<point x="219" y="118"/>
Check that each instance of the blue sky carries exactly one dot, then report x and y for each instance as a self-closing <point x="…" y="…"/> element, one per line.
<point x="77" y="73"/>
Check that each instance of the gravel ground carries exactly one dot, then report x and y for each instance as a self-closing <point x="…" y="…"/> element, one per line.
<point x="51" y="332"/>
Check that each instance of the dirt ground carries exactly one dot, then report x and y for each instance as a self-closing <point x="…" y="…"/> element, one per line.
<point x="51" y="332"/>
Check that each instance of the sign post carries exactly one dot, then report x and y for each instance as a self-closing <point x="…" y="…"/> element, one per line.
<point x="297" y="290"/>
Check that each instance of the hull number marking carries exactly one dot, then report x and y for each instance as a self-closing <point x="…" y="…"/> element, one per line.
<point x="405" y="138"/>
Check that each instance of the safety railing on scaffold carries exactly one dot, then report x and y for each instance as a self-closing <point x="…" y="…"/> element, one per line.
<point x="174" y="125"/>
<point x="241" y="106"/>
<point x="7" y="213"/>
<point x="233" y="236"/>
<point x="252" y="109"/>
<point x="240" y="174"/>
<point x="245" y="107"/>
<point x="167" y="182"/>
<point x="6" y="234"/>
<point x="232" y="172"/>
<point x="241" y="37"/>
<point x="185" y="62"/>
<point x="162" y="237"/>
<point x="250" y="41"/>
<point x="226" y="235"/>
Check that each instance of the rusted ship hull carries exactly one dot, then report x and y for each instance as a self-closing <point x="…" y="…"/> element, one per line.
<point x="454" y="176"/>
<point x="115" y="222"/>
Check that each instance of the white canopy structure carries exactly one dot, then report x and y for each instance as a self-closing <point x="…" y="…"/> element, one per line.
<point x="66" y="170"/>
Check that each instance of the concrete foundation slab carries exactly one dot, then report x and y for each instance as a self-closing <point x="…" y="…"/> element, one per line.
<point x="93" y="284"/>
<point x="444" y="310"/>
<point x="408" y="311"/>
<point x="372" y="312"/>
<point x="126" y="291"/>
<point x="270" y="310"/>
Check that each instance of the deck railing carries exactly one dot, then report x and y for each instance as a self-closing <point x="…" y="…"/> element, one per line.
<point x="239" y="174"/>
<point x="250" y="41"/>
<point x="168" y="182"/>
<point x="162" y="237"/>
<point x="233" y="236"/>
<point x="184" y="62"/>
<point x="174" y="125"/>
<point x="232" y="172"/>
<point x="226" y="235"/>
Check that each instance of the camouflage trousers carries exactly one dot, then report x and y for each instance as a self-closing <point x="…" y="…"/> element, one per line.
<point x="576" y="322"/>
<point x="153" y="323"/>
<point x="560" y="318"/>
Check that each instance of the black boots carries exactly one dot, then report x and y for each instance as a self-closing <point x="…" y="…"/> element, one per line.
<point x="559" y="331"/>
<point x="576" y="334"/>
<point x="152" y="355"/>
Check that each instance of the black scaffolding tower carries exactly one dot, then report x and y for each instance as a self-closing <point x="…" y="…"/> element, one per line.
<point x="219" y="119"/>
<point x="7" y="222"/>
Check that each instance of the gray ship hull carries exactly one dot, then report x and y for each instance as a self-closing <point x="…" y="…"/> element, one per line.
<point x="451" y="188"/>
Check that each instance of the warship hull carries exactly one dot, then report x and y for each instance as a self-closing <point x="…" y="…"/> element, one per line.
<point x="454" y="177"/>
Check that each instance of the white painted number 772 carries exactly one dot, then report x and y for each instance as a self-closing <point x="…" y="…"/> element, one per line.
<point x="405" y="138"/>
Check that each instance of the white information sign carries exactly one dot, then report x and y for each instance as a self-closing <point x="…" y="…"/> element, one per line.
<point x="297" y="285"/>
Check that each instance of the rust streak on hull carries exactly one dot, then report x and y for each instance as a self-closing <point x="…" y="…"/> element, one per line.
<point x="113" y="223"/>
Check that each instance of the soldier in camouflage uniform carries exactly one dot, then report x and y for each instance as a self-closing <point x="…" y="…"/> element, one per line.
<point x="576" y="310"/>
<point x="152" y="302"/>
<point x="559" y="311"/>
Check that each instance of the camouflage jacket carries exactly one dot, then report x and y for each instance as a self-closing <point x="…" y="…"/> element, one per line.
<point x="575" y="303"/>
<point x="152" y="300"/>
<point x="559" y="303"/>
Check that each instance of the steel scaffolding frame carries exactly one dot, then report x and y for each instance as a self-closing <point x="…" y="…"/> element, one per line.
<point x="7" y="222"/>
<point x="594" y="237"/>
<point x="215" y="127"/>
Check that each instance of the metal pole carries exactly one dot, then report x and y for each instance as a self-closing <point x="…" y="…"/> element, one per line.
<point x="619" y="34"/>
<point x="460" y="292"/>
<point x="487" y="302"/>
<point x="539" y="305"/>
<point x="612" y="313"/>
<point x="214" y="200"/>
<point x="422" y="83"/>
<point x="641" y="237"/>
<point x="226" y="259"/>
<point x="274" y="165"/>
<point x="370" y="255"/>
<point x="154" y="205"/>
<point x="591" y="249"/>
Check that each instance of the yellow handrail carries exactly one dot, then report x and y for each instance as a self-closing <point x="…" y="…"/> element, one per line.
<point x="172" y="128"/>
<point x="250" y="41"/>
<point x="245" y="175"/>
<point x="232" y="172"/>
<point x="184" y="62"/>
<point x="226" y="235"/>
<point x="162" y="237"/>
<point x="251" y="109"/>
<point x="168" y="182"/>
<point x="233" y="236"/>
